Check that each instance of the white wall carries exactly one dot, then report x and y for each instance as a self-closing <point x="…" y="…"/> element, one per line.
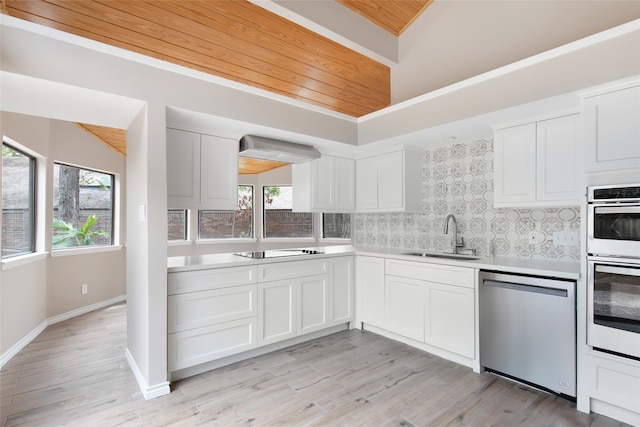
<point x="455" y="40"/>
<point x="39" y="290"/>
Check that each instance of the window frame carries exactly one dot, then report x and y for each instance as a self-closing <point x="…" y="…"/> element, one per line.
<point x="305" y="239"/>
<point x="207" y="240"/>
<point x="114" y="235"/>
<point x="33" y="187"/>
<point x="187" y="226"/>
<point x="321" y="236"/>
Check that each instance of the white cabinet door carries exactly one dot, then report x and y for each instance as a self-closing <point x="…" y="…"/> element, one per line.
<point x="536" y="164"/>
<point x="324" y="185"/>
<point x="183" y="179"/>
<point x="367" y="183"/>
<point x="515" y="165"/>
<point x="450" y="318"/>
<point x="276" y="311"/>
<point x="323" y="182"/>
<point x="219" y="173"/>
<point x="341" y="291"/>
<point x="612" y="130"/>
<point x="313" y="304"/>
<point x="197" y="309"/>
<point x="370" y="290"/>
<point x="557" y="164"/>
<point x="391" y="181"/>
<point x="195" y="346"/>
<point x="344" y="185"/>
<point x="405" y="306"/>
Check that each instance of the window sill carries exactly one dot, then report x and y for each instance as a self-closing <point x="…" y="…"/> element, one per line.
<point x="84" y="250"/>
<point x="341" y="241"/>
<point x="289" y="240"/>
<point x="223" y="241"/>
<point x="17" y="261"/>
<point x="179" y="242"/>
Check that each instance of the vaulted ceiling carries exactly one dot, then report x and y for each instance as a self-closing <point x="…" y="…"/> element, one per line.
<point x="236" y="40"/>
<point x="239" y="41"/>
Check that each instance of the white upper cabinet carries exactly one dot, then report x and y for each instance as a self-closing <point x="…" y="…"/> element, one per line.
<point x="536" y="164"/>
<point x="390" y="182"/>
<point x="326" y="184"/>
<point x="612" y="129"/>
<point x="218" y="173"/>
<point x="202" y="171"/>
<point x="183" y="180"/>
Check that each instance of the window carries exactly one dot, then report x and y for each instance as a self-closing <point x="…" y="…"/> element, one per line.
<point x="82" y="207"/>
<point x="18" y="202"/>
<point x="236" y="224"/>
<point x="336" y="226"/>
<point x="279" y="220"/>
<point x="177" y="224"/>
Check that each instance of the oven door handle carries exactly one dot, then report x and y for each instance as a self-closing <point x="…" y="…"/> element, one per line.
<point x="606" y="210"/>
<point x="627" y="271"/>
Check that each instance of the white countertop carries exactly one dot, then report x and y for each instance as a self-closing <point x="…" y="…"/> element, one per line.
<point x="559" y="269"/>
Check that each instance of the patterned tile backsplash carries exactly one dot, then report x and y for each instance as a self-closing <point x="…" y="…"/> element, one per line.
<point x="458" y="179"/>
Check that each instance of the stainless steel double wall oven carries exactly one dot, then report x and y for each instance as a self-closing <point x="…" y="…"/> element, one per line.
<point x="613" y="255"/>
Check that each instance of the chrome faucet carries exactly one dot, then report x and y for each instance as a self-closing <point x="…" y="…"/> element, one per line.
<point x="455" y="244"/>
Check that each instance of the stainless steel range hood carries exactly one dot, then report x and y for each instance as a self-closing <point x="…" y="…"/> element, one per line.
<point x="259" y="147"/>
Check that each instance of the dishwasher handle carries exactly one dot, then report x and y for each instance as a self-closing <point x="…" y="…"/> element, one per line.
<point x="520" y="287"/>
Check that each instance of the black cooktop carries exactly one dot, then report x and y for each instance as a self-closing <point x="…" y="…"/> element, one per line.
<point x="278" y="253"/>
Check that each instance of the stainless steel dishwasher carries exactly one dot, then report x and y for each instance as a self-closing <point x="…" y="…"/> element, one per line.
<point x="528" y="330"/>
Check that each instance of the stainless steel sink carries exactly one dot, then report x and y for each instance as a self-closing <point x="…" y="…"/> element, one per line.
<point x="442" y="255"/>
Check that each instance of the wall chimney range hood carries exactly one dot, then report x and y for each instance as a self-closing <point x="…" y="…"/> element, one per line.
<point x="259" y="147"/>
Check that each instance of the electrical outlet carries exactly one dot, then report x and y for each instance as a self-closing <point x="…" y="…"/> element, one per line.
<point x="565" y="238"/>
<point x="85" y="289"/>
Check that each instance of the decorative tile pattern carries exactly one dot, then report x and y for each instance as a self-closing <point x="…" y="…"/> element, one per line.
<point x="458" y="179"/>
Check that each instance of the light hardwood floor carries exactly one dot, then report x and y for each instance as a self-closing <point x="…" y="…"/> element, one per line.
<point x="75" y="374"/>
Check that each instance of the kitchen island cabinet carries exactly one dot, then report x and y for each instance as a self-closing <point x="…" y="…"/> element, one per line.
<point x="217" y="313"/>
<point x="296" y="303"/>
<point x="211" y="314"/>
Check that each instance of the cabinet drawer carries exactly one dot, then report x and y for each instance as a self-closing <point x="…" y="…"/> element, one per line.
<point x="288" y="270"/>
<point x="204" y="308"/>
<point x="613" y="382"/>
<point x="195" y="346"/>
<point x="440" y="273"/>
<point x="215" y="278"/>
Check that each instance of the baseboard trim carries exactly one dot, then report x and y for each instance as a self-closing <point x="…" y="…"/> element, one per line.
<point x="15" y="349"/>
<point x="86" y="309"/>
<point x="148" y="392"/>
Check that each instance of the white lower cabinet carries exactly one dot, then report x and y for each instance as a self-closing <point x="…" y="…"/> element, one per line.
<point x="614" y="381"/>
<point x="370" y="288"/>
<point x="292" y="307"/>
<point x="277" y="303"/>
<point x="220" y="312"/>
<point x="431" y="303"/>
<point x="210" y="314"/>
<point x="450" y="318"/>
<point x="341" y="291"/>
<point x="405" y="306"/>
<point x="200" y="345"/>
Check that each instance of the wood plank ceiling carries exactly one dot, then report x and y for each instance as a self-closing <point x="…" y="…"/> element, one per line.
<point x="393" y="16"/>
<point x="237" y="40"/>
